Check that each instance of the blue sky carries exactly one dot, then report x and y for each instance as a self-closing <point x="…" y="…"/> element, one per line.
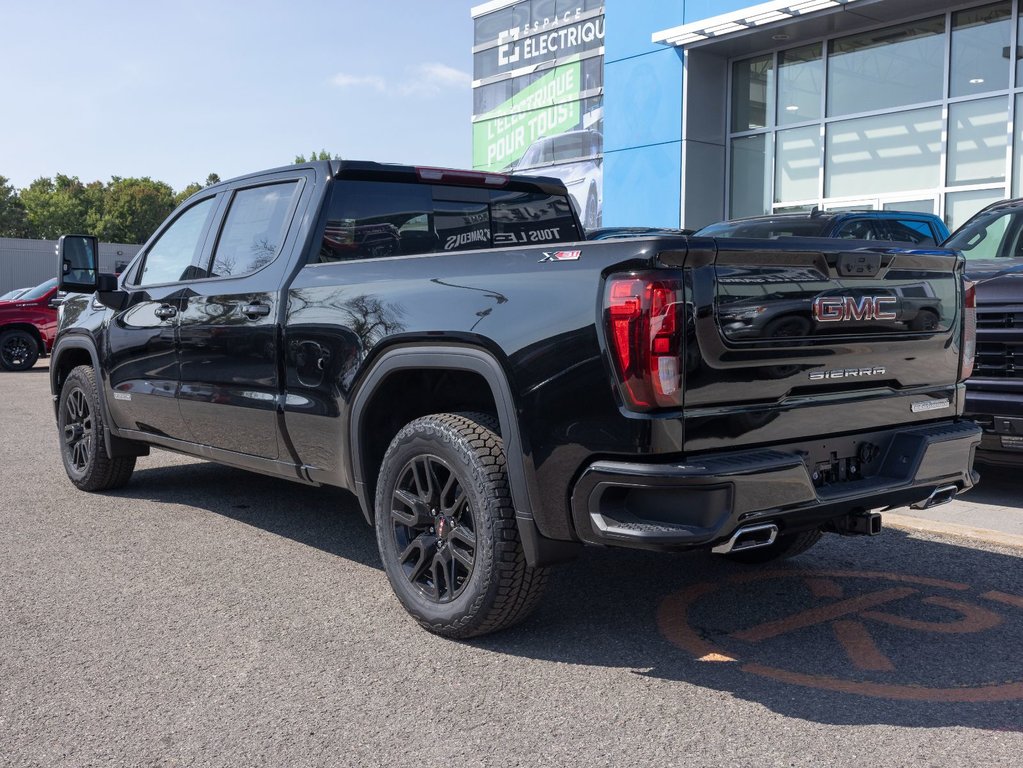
<point x="176" y="90"/>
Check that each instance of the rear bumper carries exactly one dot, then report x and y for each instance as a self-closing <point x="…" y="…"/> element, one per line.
<point x="702" y="502"/>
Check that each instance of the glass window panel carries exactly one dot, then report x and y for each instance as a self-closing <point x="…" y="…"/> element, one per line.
<point x="797" y="164"/>
<point x="749" y="176"/>
<point x="960" y="206"/>
<point x="172" y="257"/>
<point x="800" y="79"/>
<point x="993" y="235"/>
<point x="977" y="137"/>
<point x="752" y="92"/>
<point x="254" y="230"/>
<point x="916" y="206"/>
<point x="980" y="42"/>
<point x="886" y="68"/>
<point x="884" y="154"/>
<point x="1017" y="149"/>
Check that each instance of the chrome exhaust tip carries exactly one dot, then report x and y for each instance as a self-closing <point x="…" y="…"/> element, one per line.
<point x="941" y="495"/>
<point x="750" y="537"/>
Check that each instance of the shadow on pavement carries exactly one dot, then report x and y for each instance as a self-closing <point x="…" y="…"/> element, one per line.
<point x="325" y="518"/>
<point x="893" y="630"/>
<point x="999" y="486"/>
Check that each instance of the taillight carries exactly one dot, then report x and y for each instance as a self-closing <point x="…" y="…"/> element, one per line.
<point x="969" y="330"/>
<point x="644" y="327"/>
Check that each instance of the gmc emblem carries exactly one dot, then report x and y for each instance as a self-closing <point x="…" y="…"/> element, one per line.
<point x="835" y="309"/>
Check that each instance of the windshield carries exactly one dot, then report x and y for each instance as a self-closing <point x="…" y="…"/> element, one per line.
<point x="39" y="291"/>
<point x="992" y="235"/>
<point x="769" y="229"/>
<point x="13" y="294"/>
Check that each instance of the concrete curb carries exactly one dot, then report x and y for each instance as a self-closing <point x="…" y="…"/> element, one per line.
<point x="909" y="523"/>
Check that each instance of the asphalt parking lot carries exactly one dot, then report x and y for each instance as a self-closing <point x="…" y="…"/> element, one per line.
<point x="205" y="616"/>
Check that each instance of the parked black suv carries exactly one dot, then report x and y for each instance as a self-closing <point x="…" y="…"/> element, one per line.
<point x="919" y="229"/>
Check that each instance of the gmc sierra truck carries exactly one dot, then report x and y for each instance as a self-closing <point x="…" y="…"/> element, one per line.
<point x="498" y="391"/>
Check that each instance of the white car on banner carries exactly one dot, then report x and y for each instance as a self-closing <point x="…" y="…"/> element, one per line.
<point x="575" y="157"/>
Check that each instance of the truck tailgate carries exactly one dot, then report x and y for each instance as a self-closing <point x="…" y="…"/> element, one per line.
<point x="798" y="339"/>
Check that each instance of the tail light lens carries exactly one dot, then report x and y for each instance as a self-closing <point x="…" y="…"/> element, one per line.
<point x="645" y="322"/>
<point x="969" y="330"/>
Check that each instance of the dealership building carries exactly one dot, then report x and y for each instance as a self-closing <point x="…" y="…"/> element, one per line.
<point x="684" y="112"/>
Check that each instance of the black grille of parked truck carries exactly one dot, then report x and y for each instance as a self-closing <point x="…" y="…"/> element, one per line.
<point x="498" y="391"/>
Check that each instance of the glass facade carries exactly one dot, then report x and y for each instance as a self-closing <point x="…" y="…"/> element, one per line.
<point x="919" y="115"/>
<point x="538" y="95"/>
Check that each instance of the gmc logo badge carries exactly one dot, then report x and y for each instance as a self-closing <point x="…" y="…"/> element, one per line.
<point x="835" y="309"/>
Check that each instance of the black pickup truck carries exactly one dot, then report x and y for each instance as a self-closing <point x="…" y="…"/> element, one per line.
<point x="498" y="391"/>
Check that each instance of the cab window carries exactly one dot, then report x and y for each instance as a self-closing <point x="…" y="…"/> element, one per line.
<point x="254" y="229"/>
<point x="173" y="256"/>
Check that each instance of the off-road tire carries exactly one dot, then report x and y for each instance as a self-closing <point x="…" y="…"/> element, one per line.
<point x="785" y="546"/>
<point x="499" y="590"/>
<point x="19" y="350"/>
<point x="81" y="430"/>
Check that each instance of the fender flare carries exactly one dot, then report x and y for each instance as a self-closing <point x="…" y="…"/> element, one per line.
<point x="116" y="446"/>
<point x="539" y="550"/>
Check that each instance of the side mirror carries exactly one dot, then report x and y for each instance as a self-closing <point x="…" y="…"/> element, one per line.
<point x="78" y="263"/>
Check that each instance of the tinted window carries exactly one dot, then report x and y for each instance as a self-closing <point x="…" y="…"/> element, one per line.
<point x="911" y="231"/>
<point x="530" y="217"/>
<point x="254" y="229"/>
<point x="39" y="291"/>
<point x="767" y="229"/>
<point x="171" y="256"/>
<point x="371" y="219"/>
<point x="990" y="236"/>
<point x="862" y="229"/>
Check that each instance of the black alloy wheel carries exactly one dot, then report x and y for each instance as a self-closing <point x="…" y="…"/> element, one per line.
<point x="18" y="350"/>
<point x="446" y="527"/>
<point x="433" y="528"/>
<point x="82" y="433"/>
<point x="79" y="432"/>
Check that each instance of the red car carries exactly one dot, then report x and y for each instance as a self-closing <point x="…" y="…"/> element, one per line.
<point x="27" y="326"/>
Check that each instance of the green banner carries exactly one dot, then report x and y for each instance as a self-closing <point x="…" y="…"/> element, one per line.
<point x="544" y="108"/>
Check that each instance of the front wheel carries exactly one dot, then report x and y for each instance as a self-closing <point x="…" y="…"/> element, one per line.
<point x="18" y="350"/>
<point x="82" y="430"/>
<point x="446" y="527"/>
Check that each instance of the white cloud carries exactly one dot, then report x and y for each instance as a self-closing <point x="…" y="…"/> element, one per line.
<point x="344" y="80"/>
<point x="433" y="77"/>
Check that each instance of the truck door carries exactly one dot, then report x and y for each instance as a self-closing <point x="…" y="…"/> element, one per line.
<point x="141" y="349"/>
<point x="228" y="340"/>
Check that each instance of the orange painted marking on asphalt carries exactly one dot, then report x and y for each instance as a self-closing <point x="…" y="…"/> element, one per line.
<point x="860" y="646"/>
<point x="974" y="618"/>
<point x="673" y="621"/>
<point x="1001" y="597"/>
<point x="926" y="581"/>
<point x="824" y="587"/>
<point x="820" y="615"/>
<point x="978" y="694"/>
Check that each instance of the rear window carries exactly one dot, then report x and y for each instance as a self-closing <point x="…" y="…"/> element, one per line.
<point x="375" y="219"/>
<point x="768" y="230"/>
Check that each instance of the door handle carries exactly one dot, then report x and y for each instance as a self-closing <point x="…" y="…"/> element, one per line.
<point x="165" y="312"/>
<point x="252" y="311"/>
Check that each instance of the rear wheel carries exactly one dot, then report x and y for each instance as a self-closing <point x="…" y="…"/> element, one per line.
<point x="18" y="350"/>
<point x="82" y="432"/>
<point x="446" y="527"/>
<point x="785" y="546"/>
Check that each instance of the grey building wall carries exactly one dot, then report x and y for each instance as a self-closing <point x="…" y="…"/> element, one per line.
<point x="24" y="263"/>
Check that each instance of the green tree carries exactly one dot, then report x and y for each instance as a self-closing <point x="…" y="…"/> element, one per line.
<point x="321" y="155"/>
<point x="186" y="193"/>
<point x="58" y="206"/>
<point x="212" y="179"/>
<point x="13" y="222"/>
<point x="132" y="209"/>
